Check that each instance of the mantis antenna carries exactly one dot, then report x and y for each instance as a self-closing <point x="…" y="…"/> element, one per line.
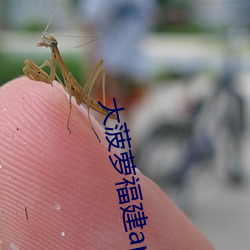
<point x="53" y="14"/>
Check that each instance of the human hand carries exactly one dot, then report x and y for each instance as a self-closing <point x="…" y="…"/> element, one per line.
<point x="57" y="190"/>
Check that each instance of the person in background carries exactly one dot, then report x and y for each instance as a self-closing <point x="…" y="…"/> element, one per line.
<point x="121" y="27"/>
<point x="224" y="110"/>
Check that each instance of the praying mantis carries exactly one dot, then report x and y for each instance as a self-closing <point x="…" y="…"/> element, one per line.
<point x="71" y="86"/>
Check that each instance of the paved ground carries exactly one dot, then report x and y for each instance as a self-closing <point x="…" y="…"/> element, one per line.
<point x="222" y="213"/>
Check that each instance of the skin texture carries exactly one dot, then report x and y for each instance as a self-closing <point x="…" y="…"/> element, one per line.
<point x="66" y="182"/>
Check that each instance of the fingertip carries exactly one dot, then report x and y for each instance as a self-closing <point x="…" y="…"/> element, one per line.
<point x="58" y="188"/>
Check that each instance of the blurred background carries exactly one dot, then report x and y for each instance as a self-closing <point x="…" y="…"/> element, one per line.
<point x="181" y="69"/>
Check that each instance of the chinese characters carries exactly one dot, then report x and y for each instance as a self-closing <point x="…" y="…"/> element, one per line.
<point x="128" y="189"/>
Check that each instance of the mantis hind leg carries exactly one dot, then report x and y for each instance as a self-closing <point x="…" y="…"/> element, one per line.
<point x="92" y="127"/>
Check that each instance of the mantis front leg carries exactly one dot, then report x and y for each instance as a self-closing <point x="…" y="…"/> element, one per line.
<point x="36" y="73"/>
